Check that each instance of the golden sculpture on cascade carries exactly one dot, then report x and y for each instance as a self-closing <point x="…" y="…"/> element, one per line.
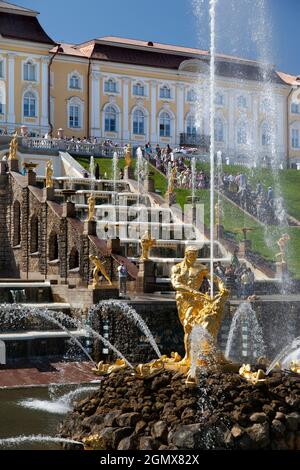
<point x="13" y="147"/>
<point x="147" y="242"/>
<point x="49" y="174"/>
<point x="128" y="158"/>
<point x="98" y="270"/>
<point x="92" y="205"/>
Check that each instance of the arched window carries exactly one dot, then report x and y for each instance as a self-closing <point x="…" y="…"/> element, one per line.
<point x="265" y="134"/>
<point x="29" y="71"/>
<point x="110" y="119"/>
<point x="2" y="103"/>
<point x="295" y="135"/>
<point x="191" y="96"/>
<point x="165" y="125"/>
<point x="16" y="223"/>
<point x="191" y="125"/>
<point x="1" y="68"/>
<point x="75" y="82"/>
<point x="74" y="259"/>
<point x="53" y="247"/>
<point x="219" y="130"/>
<point x="242" y="102"/>
<point x="242" y="137"/>
<point x="219" y="99"/>
<point x="138" y="89"/>
<point x="165" y="92"/>
<point x="29" y="104"/>
<point x="34" y="234"/>
<point x="75" y="114"/>
<point x="110" y="86"/>
<point x="138" y="122"/>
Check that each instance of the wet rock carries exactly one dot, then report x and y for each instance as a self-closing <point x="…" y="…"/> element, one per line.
<point x="110" y="419"/>
<point x="119" y="434"/>
<point x="128" y="419"/>
<point x="280" y="416"/>
<point x="140" y="426"/>
<point x="259" y="435"/>
<point x="148" y="443"/>
<point x="258" y="417"/>
<point x="185" y="437"/>
<point x="160" y="431"/>
<point x="277" y="427"/>
<point x="237" y="431"/>
<point x="128" y="443"/>
<point x="293" y="421"/>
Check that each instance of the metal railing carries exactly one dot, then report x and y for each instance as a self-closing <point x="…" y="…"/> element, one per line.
<point x="197" y="140"/>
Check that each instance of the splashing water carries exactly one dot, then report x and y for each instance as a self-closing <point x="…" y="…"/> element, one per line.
<point x="15" y="441"/>
<point x="283" y="357"/>
<point x="115" y="162"/>
<point x="193" y="168"/>
<point x="199" y="336"/>
<point x="58" y="405"/>
<point x="245" y="328"/>
<point x="130" y="313"/>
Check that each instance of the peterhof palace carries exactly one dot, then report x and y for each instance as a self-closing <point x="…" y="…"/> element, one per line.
<point x="138" y="91"/>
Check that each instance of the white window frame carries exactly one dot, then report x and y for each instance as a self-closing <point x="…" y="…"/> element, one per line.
<point x="35" y="94"/>
<point x="3" y="62"/>
<point x="111" y="105"/>
<point x="241" y="102"/>
<point x="139" y="110"/>
<point x="266" y="105"/>
<point x="295" y="108"/>
<point x="78" y="103"/>
<point x="164" y="111"/>
<point x="297" y="138"/>
<point x="191" y="92"/>
<point x="141" y="85"/>
<point x="267" y="137"/>
<point x="113" y="80"/>
<point x="219" y="141"/>
<point x="165" y="87"/>
<point x="191" y="117"/>
<point x="36" y="66"/>
<point x="220" y="103"/>
<point x="79" y="78"/>
<point x="239" y="126"/>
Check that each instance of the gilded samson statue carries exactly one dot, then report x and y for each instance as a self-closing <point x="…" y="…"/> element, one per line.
<point x="98" y="270"/>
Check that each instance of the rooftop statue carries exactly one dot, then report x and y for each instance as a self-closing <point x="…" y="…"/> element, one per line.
<point x="146" y="243"/>
<point x="49" y="174"/>
<point x="13" y="147"/>
<point x="194" y="307"/>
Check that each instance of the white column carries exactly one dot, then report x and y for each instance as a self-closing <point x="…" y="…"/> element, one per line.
<point x="153" y="138"/>
<point x="11" y="118"/>
<point x="45" y="90"/>
<point x="180" y="111"/>
<point x="126" y="82"/>
<point x="231" y="144"/>
<point x="95" y="104"/>
<point x="256" y="142"/>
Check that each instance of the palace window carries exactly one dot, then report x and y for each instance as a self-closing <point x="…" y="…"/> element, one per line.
<point x="1" y="69"/>
<point x="110" y="119"/>
<point x="219" y="99"/>
<point x="242" y="102"/>
<point x="295" y="138"/>
<point x="295" y="108"/>
<point x="138" y="90"/>
<point x="191" y="125"/>
<point x="165" y="125"/>
<point x="266" y="105"/>
<point x="242" y="134"/>
<point x="110" y="86"/>
<point x="30" y="72"/>
<point x="165" y="92"/>
<point x="219" y="130"/>
<point x="74" y="116"/>
<point x="265" y="135"/>
<point x="75" y="82"/>
<point x="29" y="104"/>
<point x="191" y="96"/>
<point x="138" y="122"/>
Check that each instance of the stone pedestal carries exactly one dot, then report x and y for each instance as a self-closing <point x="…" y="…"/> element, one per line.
<point x="49" y="194"/>
<point x="149" y="185"/>
<point x="244" y="247"/>
<point x="128" y="173"/>
<point x="219" y="231"/>
<point x="146" y="279"/>
<point x="13" y="165"/>
<point x="170" y="199"/>
<point x="68" y="209"/>
<point x="281" y="270"/>
<point x="3" y="167"/>
<point x="103" y="293"/>
<point x="113" y="245"/>
<point x="31" y="178"/>
<point x="89" y="227"/>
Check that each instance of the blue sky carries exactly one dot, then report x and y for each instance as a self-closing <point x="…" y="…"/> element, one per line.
<point x="174" y="22"/>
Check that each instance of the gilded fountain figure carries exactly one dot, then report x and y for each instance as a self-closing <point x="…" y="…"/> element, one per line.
<point x="147" y="242"/>
<point x="91" y="207"/>
<point x="13" y="147"/>
<point x="49" y="174"/>
<point x="98" y="271"/>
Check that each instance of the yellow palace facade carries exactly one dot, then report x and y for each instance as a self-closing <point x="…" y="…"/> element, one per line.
<point x="137" y="91"/>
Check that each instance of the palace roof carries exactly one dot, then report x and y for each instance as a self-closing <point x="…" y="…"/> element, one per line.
<point x="8" y="7"/>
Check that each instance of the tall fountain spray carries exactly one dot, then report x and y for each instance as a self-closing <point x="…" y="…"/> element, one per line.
<point x="139" y="169"/>
<point x="115" y="169"/>
<point x="193" y="168"/>
<point x="92" y="172"/>
<point x="212" y="14"/>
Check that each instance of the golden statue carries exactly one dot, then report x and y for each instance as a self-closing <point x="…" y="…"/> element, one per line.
<point x="97" y="271"/>
<point x="172" y="179"/>
<point x="13" y="147"/>
<point x="128" y="159"/>
<point x="146" y="243"/>
<point x="92" y="204"/>
<point x="282" y="242"/>
<point x="196" y="308"/>
<point x="49" y="174"/>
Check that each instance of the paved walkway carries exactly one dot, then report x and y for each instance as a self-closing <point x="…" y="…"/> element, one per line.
<point x="41" y="373"/>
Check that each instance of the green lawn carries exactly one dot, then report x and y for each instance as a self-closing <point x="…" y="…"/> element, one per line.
<point x="264" y="240"/>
